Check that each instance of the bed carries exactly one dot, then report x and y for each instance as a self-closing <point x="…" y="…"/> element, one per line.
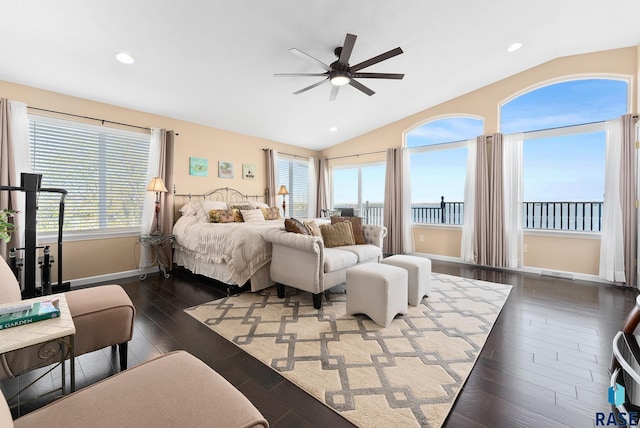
<point x="228" y="251"/>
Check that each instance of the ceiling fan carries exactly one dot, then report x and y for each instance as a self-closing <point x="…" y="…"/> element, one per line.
<point x="340" y="73"/>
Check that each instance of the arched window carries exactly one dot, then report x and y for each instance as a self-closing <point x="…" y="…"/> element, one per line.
<point x="438" y="168"/>
<point x="564" y="149"/>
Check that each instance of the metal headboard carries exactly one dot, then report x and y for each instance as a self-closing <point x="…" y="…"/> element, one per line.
<point x="224" y="194"/>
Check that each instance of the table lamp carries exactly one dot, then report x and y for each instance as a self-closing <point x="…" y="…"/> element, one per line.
<point x="283" y="191"/>
<point x="157" y="185"/>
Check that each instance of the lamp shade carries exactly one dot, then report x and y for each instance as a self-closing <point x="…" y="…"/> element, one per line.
<point x="283" y="190"/>
<point x="156" y="185"/>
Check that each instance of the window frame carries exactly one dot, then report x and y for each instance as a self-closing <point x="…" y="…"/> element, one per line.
<point x="290" y="159"/>
<point x="359" y="167"/>
<point x="92" y="234"/>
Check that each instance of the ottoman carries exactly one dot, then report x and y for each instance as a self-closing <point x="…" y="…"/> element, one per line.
<point x="377" y="290"/>
<point x="419" y="270"/>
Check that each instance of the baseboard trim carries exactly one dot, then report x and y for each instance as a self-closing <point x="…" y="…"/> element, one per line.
<point x="111" y="276"/>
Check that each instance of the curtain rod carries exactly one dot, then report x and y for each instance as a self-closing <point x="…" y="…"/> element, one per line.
<point x="290" y="154"/>
<point x="90" y="118"/>
<point x="358" y="155"/>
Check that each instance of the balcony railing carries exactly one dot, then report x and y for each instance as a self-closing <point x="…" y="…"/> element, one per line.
<point x="578" y="216"/>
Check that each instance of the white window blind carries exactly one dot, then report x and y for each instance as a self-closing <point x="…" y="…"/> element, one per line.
<point x="294" y="173"/>
<point x="104" y="171"/>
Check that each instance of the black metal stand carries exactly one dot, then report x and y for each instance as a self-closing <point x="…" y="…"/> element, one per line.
<point x="30" y="186"/>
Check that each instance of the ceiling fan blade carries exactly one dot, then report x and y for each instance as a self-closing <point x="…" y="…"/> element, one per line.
<point x="298" y="74"/>
<point x="309" y="58"/>
<point x="361" y="87"/>
<point x="378" y="76"/>
<point x="311" y="86"/>
<point x="349" y="41"/>
<point x="334" y="93"/>
<point x="377" y="59"/>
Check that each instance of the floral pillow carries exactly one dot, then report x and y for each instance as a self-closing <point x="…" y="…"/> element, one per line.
<point x="221" y="216"/>
<point x="271" y="213"/>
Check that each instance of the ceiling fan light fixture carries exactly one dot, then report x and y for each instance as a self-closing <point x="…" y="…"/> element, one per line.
<point x="340" y="78"/>
<point x="125" y="58"/>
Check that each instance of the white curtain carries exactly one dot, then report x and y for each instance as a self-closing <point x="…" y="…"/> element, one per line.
<point x="512" y="173"/>
<point x="466" y="246"/>
<point x="408" y="246"/>
<point x="148" y="211"/>
<point x="313" y="189"/>
<point x="612" y="239"/>
<point x="19" y="128"/>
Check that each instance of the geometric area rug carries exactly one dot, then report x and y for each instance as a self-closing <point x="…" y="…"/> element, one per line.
<point x="407" y="374"/>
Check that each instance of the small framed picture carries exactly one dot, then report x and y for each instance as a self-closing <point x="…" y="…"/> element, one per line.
<point x="225" y="169"/>
<point x="198" y="166"/>
<point x="248" y="171"/>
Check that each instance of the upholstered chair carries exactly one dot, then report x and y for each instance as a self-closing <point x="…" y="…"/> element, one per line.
<point x="103" y="316"/>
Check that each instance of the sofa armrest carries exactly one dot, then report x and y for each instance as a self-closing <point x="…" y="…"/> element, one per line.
<point x="313" y="244"/>
<point x="374" y="234"/>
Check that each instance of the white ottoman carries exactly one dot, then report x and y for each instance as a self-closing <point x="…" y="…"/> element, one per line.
<point x="377" y="290"/>
<point x="419" y="270"/>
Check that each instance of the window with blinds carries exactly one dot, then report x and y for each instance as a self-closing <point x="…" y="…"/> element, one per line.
<point x="294" y="173"/>
<point x="104" y="171"/>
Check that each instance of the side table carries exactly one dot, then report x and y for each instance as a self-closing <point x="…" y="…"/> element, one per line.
<point x="156" y="243"/>
<point x="55" y="336"/>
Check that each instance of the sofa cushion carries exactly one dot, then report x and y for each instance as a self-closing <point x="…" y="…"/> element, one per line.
<point x="337" y="235"/>
<point x="364" y="252"/>
<point x="356" y="224"/>
<point x="295" y="226"/>
<point x="313" y="228"/>
<point x="336" y="259"/>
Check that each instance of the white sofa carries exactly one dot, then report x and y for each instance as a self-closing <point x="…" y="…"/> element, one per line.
<point x="302" y="261"/>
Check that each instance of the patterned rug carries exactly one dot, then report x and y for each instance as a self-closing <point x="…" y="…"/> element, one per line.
<point x="408" y="374"/>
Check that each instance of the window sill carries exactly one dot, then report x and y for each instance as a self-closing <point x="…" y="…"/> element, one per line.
<point x="88" y="235"/>
<point x="562" y="233"/>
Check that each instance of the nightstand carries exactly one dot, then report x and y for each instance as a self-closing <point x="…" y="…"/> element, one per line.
<point x="156" y="243"/>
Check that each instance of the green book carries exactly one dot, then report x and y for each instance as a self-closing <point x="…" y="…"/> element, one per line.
<point x="39" y="311"/>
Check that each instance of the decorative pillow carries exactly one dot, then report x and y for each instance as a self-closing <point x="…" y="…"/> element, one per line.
<point x="313" y="228"/>
<point x="237" y="215"/>
<point x="295" y="226"/>
<point x="272" y="213"/>
<point x="356" y="224"/>
<point x="221" y="216"/>
<point x="259" y="205"/>
<point x="188" y="209"/>
<point x="252" y="216"/>
<point x="242" y="206"/>
<point x="337" y="235"/>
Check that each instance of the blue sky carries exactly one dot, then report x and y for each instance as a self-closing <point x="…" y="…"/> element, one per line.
<point x="555" y="169"/>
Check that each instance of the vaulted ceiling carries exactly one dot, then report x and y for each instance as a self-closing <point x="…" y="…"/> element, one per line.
<point x="212" y="62"/>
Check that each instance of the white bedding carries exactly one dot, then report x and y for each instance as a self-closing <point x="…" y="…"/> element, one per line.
<point x="239" y="246"/>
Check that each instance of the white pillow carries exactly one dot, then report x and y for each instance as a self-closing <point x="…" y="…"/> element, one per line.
<point x="252" y="216"/>
<point x="208" y="205"/>
<point x="188" y="209"/>
<point x="260" y="205"/>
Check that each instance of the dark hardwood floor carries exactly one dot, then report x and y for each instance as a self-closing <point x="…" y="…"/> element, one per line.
<point x="545" y="363"/>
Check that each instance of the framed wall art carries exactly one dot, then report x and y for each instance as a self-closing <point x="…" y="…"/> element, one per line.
<point x="225" y="169"/>
<point x="198" y="166"/>
<point x="248" y="171"/>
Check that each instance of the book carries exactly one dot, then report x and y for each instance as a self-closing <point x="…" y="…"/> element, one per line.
<point x="19" y="307"/>
<point x="39" y="311"/>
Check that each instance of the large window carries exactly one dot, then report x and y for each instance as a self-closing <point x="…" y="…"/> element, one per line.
<point x="360" y="188"/>
<point x="293" y="172"/>
<point x="438" y="168"/>
<point x="103" y="170"/>
<point x="564" y="150"/>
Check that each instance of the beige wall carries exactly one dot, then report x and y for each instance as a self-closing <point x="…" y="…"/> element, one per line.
<point x="573" y="255"/>
<point x="90" y="258"/>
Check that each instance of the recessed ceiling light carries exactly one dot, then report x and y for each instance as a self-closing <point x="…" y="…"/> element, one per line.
<point x="514" y="47"/>
<point x="333" y="129"/>
<point x="125" y="58"/>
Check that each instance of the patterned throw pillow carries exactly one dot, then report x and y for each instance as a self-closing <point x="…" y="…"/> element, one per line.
<point x="252" y="216"/>
<point x="295" y="226"/>
<point x="313" y="228"/>
<point x="237" y="215"/>
<point x="241" y="206"/>
<point x="337" y="235"/>
<point x="221" y="216"/>
<point x="356" y="223"/>
<point x="271" y="213"/>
